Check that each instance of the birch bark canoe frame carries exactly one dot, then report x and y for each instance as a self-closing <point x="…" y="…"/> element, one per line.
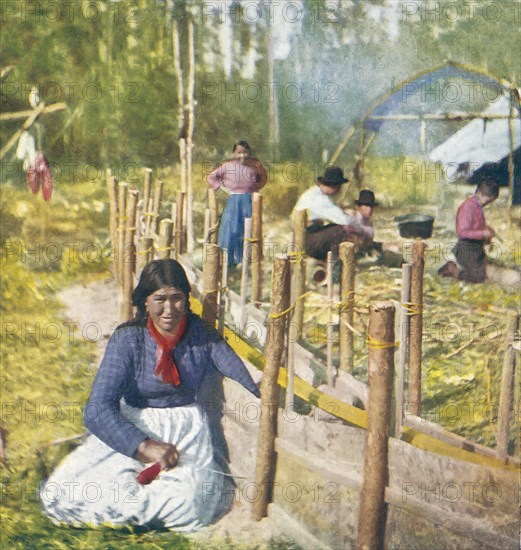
<point x="406" y="426"/>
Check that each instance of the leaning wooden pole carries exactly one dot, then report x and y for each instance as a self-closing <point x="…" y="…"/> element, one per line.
<point x="347" y="306"/>
<point x="129" y="257"/>
<point x="256" y="248"/>
<point x="507" y="389"/>
<point x="416" y="327"/>
<point x="273" y="357"/>
<point x="114" y="216"/>
<point x="380" y="370"/>
<point x="211" y="282"/>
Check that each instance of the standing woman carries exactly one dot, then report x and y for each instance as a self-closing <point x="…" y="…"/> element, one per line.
<point x="241" y="176"/>
<point x="143" y="409"/>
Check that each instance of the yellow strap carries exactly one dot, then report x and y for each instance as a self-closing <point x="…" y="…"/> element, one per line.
<point x="347" y="299"/>
<point x="373" y="343"/>
<point x="302" y="296"/>
<point x="147" y="251"/>
<point x="164" y="248"/>
<point x="150" y="214"/>
<point x="281" y="314"/>
<point x="412" y="308"/>
<point x="250" y="240"/>
<point x="295" y="257"/>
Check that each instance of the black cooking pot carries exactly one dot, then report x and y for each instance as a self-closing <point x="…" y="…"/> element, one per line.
<point x="415" y="225"/>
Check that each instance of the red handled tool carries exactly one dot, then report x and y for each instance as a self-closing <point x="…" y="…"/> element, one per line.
<point x="149" y="474"/>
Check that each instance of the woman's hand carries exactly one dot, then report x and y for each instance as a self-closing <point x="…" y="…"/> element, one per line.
<point x="157" y="451"/>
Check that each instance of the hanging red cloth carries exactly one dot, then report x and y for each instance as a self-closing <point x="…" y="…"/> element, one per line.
<point x="40" y="174"/>
<point x="166" y="367"/>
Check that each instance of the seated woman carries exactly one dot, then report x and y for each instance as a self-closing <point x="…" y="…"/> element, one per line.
<point x="143" y="409"/>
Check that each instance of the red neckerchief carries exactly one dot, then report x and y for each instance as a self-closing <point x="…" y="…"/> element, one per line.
<point x="166" y="367"/>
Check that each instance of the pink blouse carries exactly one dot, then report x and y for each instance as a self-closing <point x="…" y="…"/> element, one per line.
<point x="470" y="220"/>
<point x="237" y="177"/>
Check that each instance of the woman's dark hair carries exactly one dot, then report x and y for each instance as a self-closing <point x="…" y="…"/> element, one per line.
<point x="157" y="274"/>
<point x="242" y="143"/>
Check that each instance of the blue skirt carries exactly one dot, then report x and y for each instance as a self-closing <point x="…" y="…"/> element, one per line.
<point x="231" y="230"/>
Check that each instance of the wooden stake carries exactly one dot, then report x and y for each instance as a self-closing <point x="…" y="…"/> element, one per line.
<point x="507" y="389"/>
<point x="403" y="350"/>
<point x="380" y="369"/>
<point x="164" y="248"/>
<point x="256" y="248"/>
<point x="158" y="197"/>
<point x="148" y="216"/>
<point x="190" y="241"/>
<point x="214" y="215"/>
<point x="147" y="182"/>
<point x="122" y="209"/>
<point x="129" y="258"/>
<point x="246" y="257"/>
<point x="114" y="215"/>
<point x="223" y="294"/>
<point x="211" y="280"/>
<point x="179" y="249"/>
<point x="416" y="327"/>
<point x="173" y="217"/>
<point x="206" y="229"/>
<point x="329" y="333"/>
<point x="273" y="358"/>
<point x="145" y="252"/>
<point x="347" y="306"/>
<point x="297" y="293"/>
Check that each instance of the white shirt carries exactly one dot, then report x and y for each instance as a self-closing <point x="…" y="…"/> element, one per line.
<point x="322" y="207"/>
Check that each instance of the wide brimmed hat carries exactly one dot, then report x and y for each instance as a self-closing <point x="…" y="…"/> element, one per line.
<point x="366" y="197"/>
<point x="333" y="177"/>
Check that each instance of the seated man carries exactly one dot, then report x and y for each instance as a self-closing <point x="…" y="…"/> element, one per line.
<point x="329" y="224"/>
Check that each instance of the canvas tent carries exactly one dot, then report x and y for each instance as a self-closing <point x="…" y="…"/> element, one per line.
<point x="481" y="148"/>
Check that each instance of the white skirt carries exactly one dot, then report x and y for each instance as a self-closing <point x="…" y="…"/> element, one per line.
<point x="96" y="485"/>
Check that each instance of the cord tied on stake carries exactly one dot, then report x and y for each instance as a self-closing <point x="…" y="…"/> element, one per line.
<point x="373" y="343"/>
